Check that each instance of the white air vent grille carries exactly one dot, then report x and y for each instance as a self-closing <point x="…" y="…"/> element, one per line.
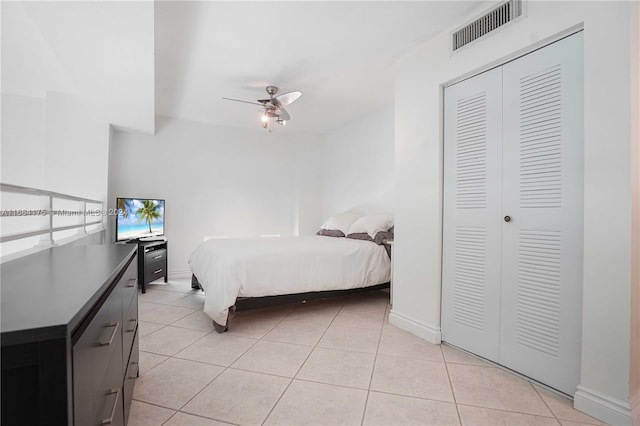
<point x="506" y="12"/>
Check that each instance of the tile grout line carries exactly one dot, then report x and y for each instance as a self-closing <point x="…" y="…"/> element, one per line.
<point x="195" y="415"/>
<point x="211" y="381"/>
<point x="148" y="334"/>
<point x="225" y="368"/>
<point x="161" y="362"/>
<point x="179" y="350"/>
<point x="197" y="393"/>
<point x="301" y="365"/>
<point x="313" y="347"/>
<point x="422" y="398"/>
<point x="373" y="370"/>
<point x="553" y="412"/>
<point x="193" y="311"/>
<point x="263" y="338"/>
<point x="453" y="392"/>
<point x="545" y="403"/>
<point x="503" y="410"/>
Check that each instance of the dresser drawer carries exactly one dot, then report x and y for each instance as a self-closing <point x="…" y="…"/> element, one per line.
<point x="130" y="377"/>
<point x="155" y="256"/>
<point x="129" y="327"/>
<point x="129" y="285"/>
<point x="94" y="353"/>
<point x="108" y="406"/>
<point x="154" y="271"/>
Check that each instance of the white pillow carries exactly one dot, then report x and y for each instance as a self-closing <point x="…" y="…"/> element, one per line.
<point x="341" y="221"/>
<point x="371" y="224"/>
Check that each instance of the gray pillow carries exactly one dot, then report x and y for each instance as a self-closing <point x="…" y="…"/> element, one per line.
<point x="330" y="233"/>
<point x="381" y="236"/>
<point x="360" y="236"/>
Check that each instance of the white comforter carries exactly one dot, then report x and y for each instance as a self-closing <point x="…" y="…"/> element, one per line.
<point x="231" y="268"/>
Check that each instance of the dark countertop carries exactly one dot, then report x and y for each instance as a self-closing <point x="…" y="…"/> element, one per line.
<point x="47" y="294"/>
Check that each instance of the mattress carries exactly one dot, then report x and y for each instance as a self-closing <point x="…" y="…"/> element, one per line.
<point x="232" y="268"/>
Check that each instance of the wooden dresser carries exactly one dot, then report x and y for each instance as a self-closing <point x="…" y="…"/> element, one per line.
<point x="69" y="336"/>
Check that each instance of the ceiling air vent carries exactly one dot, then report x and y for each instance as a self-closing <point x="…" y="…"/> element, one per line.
<point x="497" y="17"/>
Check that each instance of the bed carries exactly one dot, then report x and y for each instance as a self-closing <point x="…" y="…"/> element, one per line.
<point x="232" y="269"/>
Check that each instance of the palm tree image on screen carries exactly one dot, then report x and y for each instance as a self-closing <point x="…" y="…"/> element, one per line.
<point x="149" y="212"/>
<point x="123" y="206"/>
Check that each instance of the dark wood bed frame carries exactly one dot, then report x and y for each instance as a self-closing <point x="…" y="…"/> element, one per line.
<point x="246" y="303"/>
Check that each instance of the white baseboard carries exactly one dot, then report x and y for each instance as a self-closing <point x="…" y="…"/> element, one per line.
<point x="180" y="273"/>
<point x="610" y="410"/>
<point x="635" y="408"/>
<point x="427" y="332"/>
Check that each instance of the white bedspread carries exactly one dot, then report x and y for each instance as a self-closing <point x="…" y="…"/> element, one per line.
<point x="231" y="268"/>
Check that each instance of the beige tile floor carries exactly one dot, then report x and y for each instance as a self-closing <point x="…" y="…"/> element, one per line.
<point x="331" y="362"/>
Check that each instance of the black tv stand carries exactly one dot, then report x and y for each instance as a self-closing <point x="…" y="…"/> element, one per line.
<point x="152" y="262"/>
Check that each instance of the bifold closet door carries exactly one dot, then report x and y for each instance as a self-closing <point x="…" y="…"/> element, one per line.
<point x="472" y="214"/>
<point x="541" y="292"/>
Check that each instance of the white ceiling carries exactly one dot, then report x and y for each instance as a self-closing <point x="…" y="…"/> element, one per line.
<point x="339" y="54"/>
<point x="100" y="51"/>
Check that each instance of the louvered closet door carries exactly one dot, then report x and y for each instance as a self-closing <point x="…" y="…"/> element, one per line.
<point x="472" y="209"/>
<point x="543" y="194"/>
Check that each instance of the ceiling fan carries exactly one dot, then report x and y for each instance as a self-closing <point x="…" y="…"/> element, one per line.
<point x="273" y="108"/>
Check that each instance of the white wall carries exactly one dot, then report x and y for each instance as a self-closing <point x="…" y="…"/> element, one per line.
<point x="247" y="182"/>
<point x="215" y="180"/>
<point x="309" y="174"/>
<point x="634" y="382"/>
<point x="101" y="51"/>
<point x="604" y="387"/>
<point x="76" y="151"/>
<point x="52" y="144"/>
<point x="357" y="165"/>
<point x="23" y="140"/>
<point x="54" y="85"/>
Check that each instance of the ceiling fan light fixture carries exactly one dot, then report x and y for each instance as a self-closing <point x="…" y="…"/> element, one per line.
<point x="273" y="108"/>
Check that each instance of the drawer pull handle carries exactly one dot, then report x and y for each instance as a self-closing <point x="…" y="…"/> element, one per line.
<point x="134" y="321"/>
<point x="159" y="270"/>
<point x="131" y="283"/>
<point x="113" y="334"/>
<point x="157" y="257"/>
<point x="109" y="420"/>
<point x="136" y="374"/>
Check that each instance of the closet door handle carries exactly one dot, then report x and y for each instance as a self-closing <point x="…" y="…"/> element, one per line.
<point x="507" y="218"/>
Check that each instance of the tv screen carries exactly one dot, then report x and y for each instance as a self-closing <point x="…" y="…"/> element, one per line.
<point x="139" y="218"/>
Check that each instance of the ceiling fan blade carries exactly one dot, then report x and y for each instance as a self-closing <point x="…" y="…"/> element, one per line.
<point x="275" y="102"/>
<point x="284" y="115"/>
<point x="239" y="100"/>
<point x="289" y="97"/>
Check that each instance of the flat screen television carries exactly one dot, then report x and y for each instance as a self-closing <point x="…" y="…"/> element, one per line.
<point x="139" y="218"/>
